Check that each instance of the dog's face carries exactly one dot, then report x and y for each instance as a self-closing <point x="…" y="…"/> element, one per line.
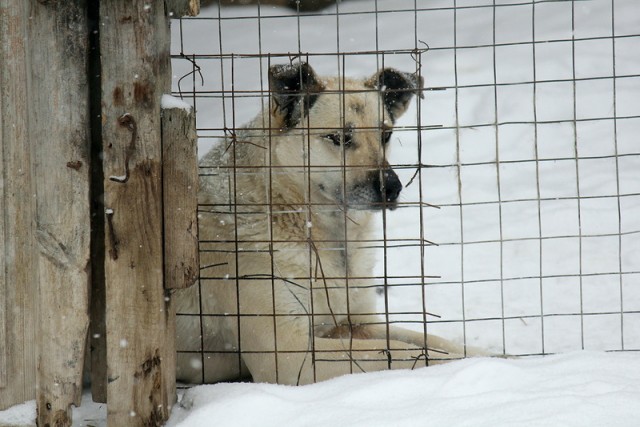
<point x="336" y="133"/>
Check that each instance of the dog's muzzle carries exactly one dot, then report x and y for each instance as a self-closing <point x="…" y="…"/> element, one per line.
<point x="380" y="191"/>
<point x="390" y="190"/>
<point x="387" y="185"/>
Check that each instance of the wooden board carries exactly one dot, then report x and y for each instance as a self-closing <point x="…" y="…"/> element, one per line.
<point x="59" y="137"/>
<point x="180" y="210"/>
<point x="17" y="279"/>
<point x="45" y="207"/>
<point x="179" y="8"/>
<point x="134" y="46"/>
<point x="4" y="355"/>
<point x="180" y="199"/>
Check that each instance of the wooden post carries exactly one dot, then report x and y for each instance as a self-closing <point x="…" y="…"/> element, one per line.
<point x="180" y="178"/>
<point x="179" y="8"/>
<point x="59" y="137"/>
<point x="135" y="74"/>
<point x="44" y="143"/>
<point x="134" y="47"/>
<point x="4" y="354"/>
<point x="180" y="209"/>
<point x="45" y="194"/>
<point x="18" y="278"/>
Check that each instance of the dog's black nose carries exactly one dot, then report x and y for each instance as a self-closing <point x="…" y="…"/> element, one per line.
<point x="392" y="185"/>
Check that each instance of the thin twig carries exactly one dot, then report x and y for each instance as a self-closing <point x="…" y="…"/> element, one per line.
<point x="326" y="289"/>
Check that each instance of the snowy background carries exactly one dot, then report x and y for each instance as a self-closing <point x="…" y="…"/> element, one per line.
<point x="537" y="186"/>
<point x="533" y="161"/>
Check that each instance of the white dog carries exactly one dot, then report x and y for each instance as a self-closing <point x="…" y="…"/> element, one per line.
<point x="287" y="210"/>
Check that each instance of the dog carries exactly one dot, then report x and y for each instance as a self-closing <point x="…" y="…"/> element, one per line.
<point x="286" y="222"/>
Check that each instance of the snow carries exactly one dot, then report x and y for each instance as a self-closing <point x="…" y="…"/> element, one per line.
<point x="19" y="414"/>
<point x="168" y="102"/>
<point x="538" y="253"/>
<point x="578" y="389"/>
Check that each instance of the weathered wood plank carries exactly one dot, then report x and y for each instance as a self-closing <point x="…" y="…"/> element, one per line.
<point x="3" y="279"/>
<point x="179" y="8"/>
<point x="59" y="135"/>
<point x="180" y="198"/>
<point x="3" y="282"/>
<point x="180" y="206"/>
<point x="134" y="46"/>
<point x="16" y="208"/>
<point x="170" y="355"/>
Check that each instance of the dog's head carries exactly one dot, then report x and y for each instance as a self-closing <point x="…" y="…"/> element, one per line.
<point x="334" y="133"/>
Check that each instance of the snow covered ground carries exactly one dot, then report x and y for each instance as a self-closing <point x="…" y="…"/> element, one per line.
<point x="538" y="226"/>
<point x="578" y="389"/>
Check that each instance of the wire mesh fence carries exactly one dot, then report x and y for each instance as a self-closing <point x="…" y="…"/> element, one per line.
<point x="517" y="230"/>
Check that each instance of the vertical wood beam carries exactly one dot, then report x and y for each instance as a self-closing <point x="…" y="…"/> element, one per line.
<point x="179" y="8"/>
<point x="4" y="355"/>
<point x="180" y="182"/>
<point x="180" y="210"/>
<point x="18" y="278"/>
<point x="59" y="137"/>
<point x="134" y="46"/>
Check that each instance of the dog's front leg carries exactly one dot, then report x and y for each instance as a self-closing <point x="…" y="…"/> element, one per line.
<point x="440" y="349"/>
<point x="295" y="357"/>
<point x="339" y="356"/>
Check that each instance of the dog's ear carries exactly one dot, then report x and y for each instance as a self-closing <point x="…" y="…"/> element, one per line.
<point x="397" y="88"/>
<point x="294" y="89"/>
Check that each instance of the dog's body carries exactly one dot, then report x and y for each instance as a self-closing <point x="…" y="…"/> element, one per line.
<point x="286" y="228"/>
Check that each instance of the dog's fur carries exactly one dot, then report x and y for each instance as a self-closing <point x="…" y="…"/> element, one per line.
<point x="287" y="215"/>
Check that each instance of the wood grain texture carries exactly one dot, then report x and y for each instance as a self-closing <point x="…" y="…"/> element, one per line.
<point x="18" y="276"/>
<point x="59" y="136"/>
<point x="179" y="8"/>
<point x="3" y="277"/>
<point x="180" y="197"/>
<point x="180" y="210"/>
<point x="134" y="45"/>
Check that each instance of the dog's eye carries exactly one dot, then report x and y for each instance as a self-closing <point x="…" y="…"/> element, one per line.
<point x="386" y="136"/>
<point x="340" y="138"/>
<point x="336" y="138"/>
<point x="347" y="137"/>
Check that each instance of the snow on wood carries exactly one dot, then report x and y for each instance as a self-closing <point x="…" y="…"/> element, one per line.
<point x="169" y="102"/>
